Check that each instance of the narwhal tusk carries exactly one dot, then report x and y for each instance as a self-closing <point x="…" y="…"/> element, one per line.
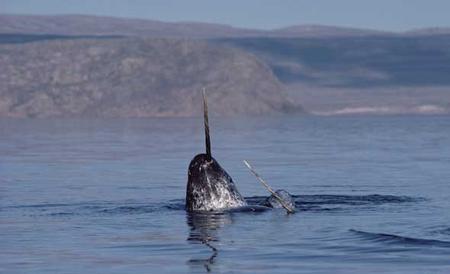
<point x="288" y="208"/>
<point x="205" y="118"/>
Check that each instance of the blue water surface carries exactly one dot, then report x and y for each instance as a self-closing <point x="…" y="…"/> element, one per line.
<point x="107" y="196"/>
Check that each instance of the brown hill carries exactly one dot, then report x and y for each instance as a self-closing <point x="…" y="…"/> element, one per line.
<point x="134" y="78"/>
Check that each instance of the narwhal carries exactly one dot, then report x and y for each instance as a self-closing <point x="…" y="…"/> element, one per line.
<point x="209" y="187"/>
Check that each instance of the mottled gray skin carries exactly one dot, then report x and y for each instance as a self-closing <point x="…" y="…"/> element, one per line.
<point x="274" y="203"/>
<point x="209" y="187"/>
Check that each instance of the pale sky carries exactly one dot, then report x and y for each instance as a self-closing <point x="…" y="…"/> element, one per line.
<point x="392" y="15"/>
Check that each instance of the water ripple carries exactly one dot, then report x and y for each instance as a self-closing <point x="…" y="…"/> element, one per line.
<point x="315" y="203"/>
<point x="399" y="240"/>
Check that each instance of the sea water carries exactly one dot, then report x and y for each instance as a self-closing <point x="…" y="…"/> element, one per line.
<point x="107" y="196"/>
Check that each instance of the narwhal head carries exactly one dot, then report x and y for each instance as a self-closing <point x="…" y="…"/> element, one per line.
<point x="209" y="186"/>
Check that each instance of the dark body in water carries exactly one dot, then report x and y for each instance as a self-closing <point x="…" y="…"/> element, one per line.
<point x="209" y="186"/>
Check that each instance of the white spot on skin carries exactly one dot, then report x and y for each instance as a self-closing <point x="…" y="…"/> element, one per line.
<point x="224" y="197"/>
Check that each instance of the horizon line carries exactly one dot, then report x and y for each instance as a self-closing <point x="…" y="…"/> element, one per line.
<point x="225" y="24"/>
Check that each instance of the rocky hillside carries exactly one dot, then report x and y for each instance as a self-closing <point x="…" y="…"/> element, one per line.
<point x="74" y="65"/>
<point x="133" y="78"/>
<point x="354" y="62"/>
<point x="367" y="75"/>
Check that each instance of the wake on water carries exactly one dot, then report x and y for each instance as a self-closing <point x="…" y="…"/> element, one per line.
<point x="302" y="203"/>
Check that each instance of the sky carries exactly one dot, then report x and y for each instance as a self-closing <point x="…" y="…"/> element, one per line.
<point x="391" y="15"/>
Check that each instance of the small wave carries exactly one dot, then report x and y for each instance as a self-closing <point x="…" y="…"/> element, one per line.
<point x="129" y="209"/>
<point x="177" y="204"/>
<point x="319" y="202"/>
<point x="302" y="203"/>
<point x="343" y="199"/>
<point x="174" y="207"/>
<point x="399" y="240"/>
<point x="445" y="231"/>
<point x="338" y="202"/>
<point x="80" y="209"/>
<point x="353" y="199"/>
<point x="442" y="231"/>
<point x="250" y="208"/>
<point x="60" y="214"/>
<point x="38" y="206"/>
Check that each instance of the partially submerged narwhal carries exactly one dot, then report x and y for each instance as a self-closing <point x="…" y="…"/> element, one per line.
<point x="209" y="187"/>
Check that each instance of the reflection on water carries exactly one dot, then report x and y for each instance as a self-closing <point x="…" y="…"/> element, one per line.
<point x="204" y="228"/>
